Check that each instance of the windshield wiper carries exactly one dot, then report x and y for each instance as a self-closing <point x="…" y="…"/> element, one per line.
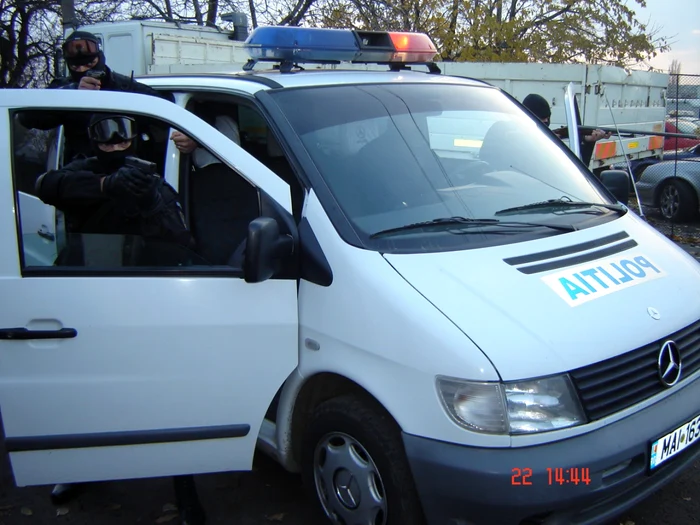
<point x="466" y="222"/>
<point x="558" y="204"/>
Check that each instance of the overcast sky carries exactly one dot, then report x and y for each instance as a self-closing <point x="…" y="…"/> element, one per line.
<point x="680" y="22"/>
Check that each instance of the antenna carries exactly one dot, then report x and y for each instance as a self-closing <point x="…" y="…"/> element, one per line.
<point x="629" y="166"/>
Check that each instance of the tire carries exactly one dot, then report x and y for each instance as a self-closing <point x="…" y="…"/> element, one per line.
<point x="678" y="201"/>
<point x="364" y="438"/>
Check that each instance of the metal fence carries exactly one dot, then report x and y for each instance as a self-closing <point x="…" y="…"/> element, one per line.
<point x="670" y="189"/>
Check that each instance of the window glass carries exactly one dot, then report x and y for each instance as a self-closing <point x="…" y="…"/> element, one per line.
<point x="245" y="125"/>
<point x="398" y="154"/>
<point x="112" y="210"/>
<point x="34" y="153"/>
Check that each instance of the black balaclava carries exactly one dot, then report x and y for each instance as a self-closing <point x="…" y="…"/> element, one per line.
<point x="112" y="160"/>
<point x="84" y="57"/>
<point x="537" y="105"/>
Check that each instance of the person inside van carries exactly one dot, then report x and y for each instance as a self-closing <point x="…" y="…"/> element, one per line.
<point x="539" y="106"/>
<point x="222" y="203"/>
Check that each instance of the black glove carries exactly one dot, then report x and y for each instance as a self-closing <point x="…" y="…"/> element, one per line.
<point x="133" y="185"/>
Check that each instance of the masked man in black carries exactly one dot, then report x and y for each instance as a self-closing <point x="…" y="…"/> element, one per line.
<point x="88" y="70"/>
<point x="539" y="106"/>
<point x="113" y="192"/>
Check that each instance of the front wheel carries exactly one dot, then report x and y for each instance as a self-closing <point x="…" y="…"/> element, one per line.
<point x="678" y="201"/>
<point x="354" y="461"/>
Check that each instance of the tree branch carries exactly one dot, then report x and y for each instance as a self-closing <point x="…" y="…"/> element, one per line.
<point x="297" y="13"/>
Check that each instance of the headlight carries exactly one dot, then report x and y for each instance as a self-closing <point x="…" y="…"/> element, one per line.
<point x="520" y="407"/>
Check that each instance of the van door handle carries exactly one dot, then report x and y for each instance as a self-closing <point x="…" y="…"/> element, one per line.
<point x="24" y="334"/>
<point x="46" y="235"/>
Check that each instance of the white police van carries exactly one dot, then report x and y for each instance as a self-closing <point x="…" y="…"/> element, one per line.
<point x="441" y="316"/>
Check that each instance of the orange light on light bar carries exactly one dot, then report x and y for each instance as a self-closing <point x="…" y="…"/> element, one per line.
<point x="413" y="47"/>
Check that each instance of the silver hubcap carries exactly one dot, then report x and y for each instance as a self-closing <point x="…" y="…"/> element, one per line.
<point x="670" y="201"/>
<point x="348" y="482"/>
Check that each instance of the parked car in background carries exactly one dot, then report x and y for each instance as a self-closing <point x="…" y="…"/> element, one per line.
<point x="681" y="113"/>
<point x="638" y="166"/>
<point x="687" y="153"/>
<point x="683" y="106"/>
<point x="687" y="125"/>
<point x="676" y="143"/>
<point x="673" y="186"/>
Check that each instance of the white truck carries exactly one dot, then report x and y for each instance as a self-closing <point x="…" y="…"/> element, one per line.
<point x="607" y="96"/>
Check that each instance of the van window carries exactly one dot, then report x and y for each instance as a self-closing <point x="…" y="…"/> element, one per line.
<point x="253" y="133"/>
<point x="34" y="150"/>
<point x="395" y="155"/>
<point x="69" y="222"/>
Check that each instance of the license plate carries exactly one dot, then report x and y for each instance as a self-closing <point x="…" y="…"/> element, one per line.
<point x="675" y="442"/>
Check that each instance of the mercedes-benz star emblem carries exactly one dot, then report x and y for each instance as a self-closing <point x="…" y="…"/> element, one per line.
<point x="669" y="364"/>
<point x="653" y="313"/>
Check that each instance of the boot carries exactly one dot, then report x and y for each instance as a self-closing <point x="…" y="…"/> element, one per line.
<point x="64" y="492"/>
<point x="187" y="500"/>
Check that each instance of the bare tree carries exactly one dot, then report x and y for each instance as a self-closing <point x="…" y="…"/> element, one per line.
<point x="674" y="71"/>
<point x="675" y="68"/>
<point x="31" y="31"/>
<point x="26" y="42"/>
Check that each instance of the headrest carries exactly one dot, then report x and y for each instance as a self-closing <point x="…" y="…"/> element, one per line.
<point x="498" y="143"/>
<point x="344" y="140"/>
<point x="226" y="125"/>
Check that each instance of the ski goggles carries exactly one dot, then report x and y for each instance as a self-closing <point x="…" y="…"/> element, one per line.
<point x="112" y="130"/>
<point x="81" y="51"/>
<point x="81" y="46"/>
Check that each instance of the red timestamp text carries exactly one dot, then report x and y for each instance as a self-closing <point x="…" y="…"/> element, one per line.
<point x="554" y="476"/>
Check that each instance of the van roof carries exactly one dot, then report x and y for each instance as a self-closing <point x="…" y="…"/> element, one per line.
<point x="315" y="77"/>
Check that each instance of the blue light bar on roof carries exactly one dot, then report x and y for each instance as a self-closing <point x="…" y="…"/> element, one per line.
<point x="300" y="45"/>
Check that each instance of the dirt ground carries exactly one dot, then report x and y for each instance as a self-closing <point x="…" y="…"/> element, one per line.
<point x="266" y="496"/>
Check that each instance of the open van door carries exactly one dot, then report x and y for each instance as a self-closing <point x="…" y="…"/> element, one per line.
<point x="116" y="371"/>
<point x="573" y="118"/>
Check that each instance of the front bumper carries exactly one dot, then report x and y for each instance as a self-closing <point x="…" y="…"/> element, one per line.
<point x="461" y="485"/>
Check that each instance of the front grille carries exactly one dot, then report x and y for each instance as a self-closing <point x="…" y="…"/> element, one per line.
<point x="619" y="382"/>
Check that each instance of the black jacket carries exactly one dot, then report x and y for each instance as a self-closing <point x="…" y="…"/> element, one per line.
<point x="75" y="190"/>
<point x="76" y="124"/>
<point x="586" y="149"/>
<point x="117" y="82"/>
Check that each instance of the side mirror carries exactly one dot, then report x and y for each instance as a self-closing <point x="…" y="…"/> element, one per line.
<point x="618" y="183"/>
<point x="265" y="248"/>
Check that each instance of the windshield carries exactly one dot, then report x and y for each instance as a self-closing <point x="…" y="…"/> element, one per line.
<point x="394" y="155"/>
